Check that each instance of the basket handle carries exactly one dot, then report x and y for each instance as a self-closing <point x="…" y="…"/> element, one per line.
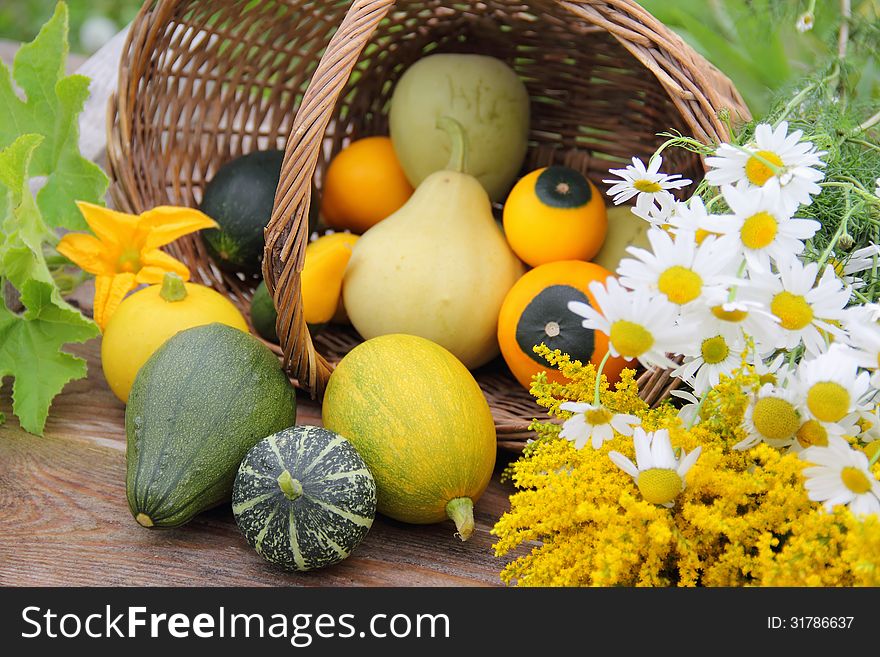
<point x="287" y="232"/>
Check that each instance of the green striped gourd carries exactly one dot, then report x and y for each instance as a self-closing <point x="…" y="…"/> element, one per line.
<point x="304" y="498"/>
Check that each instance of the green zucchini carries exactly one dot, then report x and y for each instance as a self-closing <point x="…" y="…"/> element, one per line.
<point x="198" y="404"/>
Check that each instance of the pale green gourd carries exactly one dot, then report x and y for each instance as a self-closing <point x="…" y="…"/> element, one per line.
<point x="438" y="268"/>
<point x="484" y="95"/>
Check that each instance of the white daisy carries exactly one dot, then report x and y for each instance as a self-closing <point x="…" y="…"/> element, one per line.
<point x="594" y="423"/>
<point x="657" y="473"/>
<point x="773" y="417"/>
<point x="658" y="213"/>
<point x="638" y="325"/>
<point x="692" y="217"/>
<point x="865" y="313"/>
<point x="690" y="412"/>
<point x="764" y="230"/>
<point x="776" y="161"/>
<point x="864" y="338"/>
<point x="805" y="22"/>
<point x="830" y="384"/>
<point x="856" y="262"/>
<point x="679" y="269"/>
<point x="775" y="371"/>
<point x="734" y="320"/>
<point x="841" y="475"/>
<point x="717" y="355"/>
<point x="813" y="433"/>
<point x="649" y="185"/>
<point x="869" y="424"/>
<point x="804" y="307"/>
<point x="877" y="190"/>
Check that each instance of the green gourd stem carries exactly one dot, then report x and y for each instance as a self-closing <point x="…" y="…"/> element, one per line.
<point x="173" y="288"/>
<point x="458" y="159"/>
<point x="461" y="511"/>
<point x="291" y="488"/>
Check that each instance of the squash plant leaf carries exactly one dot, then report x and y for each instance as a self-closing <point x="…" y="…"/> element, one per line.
<point x="31" y="340"/>
<point x="37" y="97"/>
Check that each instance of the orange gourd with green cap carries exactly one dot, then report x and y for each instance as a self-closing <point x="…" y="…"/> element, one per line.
<point x="145" y="320"/>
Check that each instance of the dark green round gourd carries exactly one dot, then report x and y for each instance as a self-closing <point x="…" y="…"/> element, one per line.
<point x="304" y="498"/>
<point x="239" y="198"/>
<point x="200" y="402"/>
<point x="562" y="187"/>
<point x="263" y="313"/>
<point x="547" y="320"/>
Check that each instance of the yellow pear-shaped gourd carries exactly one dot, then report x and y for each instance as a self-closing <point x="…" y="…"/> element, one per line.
<point x="438" y="268"/>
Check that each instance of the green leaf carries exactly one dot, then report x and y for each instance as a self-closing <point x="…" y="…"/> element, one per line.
<point x="51" y="105"/>
<point x="31" y="342"/>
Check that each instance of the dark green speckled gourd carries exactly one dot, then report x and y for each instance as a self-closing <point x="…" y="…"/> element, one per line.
<point x="200" y="402"/>
<point x="304" y="498"/>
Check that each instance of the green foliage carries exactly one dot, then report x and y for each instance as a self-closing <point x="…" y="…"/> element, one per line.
<point x="757" y="44"/>
<point x="52" y="105"/>
<point x="31" y="341"/>
<point x="39" y="137"/>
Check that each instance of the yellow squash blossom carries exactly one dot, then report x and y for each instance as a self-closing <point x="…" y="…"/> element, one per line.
<point x="125" y="250"/>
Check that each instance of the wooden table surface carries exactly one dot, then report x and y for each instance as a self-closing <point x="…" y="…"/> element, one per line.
<point x="64" y="519"/>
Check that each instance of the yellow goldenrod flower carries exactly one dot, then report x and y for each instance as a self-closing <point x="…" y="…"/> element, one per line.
<point x="744" y="517"/>
<point x="125" y="252"/>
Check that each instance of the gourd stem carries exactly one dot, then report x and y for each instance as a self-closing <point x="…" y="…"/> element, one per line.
<point x="291" y="488"/>
<point x="458" y="159"/>
<point x="144" y="520"/>
<point x="461" y="512"/>
<point x="173" y="288"/>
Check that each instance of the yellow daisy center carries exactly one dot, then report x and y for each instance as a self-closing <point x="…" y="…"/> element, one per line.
<point x="702" y="234"/>
<point x="828" y="401"/>
<point x="775" y="418"/>
<point x="871" y="449"/>
<point x="838" y="266"/>
<point x="659" y="486"/>
<point x="759" y="230"/>
<point x="793" y="311"/>
<point x="812" y="433"/>
<point x="129" y="261"/>
<point x="733" y="316"/>
<point x="680" y="284"/>
<point x="647" y="186"/>
<point x="855" y="480"/>
<point x="714" y="350"/>
<point x="759" y="173"/>
<point x="598" y="416"/>
<point x="630" y="339"/>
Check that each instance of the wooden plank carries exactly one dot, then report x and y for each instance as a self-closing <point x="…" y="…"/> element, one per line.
<point x="64" y="519"/>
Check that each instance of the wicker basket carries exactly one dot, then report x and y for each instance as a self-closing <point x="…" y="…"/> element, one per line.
<point x="207" y="80"/>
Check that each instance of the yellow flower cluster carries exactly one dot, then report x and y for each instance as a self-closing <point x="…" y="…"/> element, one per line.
<point x="743" y="518"/>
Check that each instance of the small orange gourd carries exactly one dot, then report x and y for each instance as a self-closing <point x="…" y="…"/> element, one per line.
<point x="555" y="214"/>
<point x="536" y="312"/>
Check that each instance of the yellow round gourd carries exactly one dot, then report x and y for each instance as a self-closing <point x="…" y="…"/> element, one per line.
<point x="149" y="317"/>
<point x="555" y="214"/>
